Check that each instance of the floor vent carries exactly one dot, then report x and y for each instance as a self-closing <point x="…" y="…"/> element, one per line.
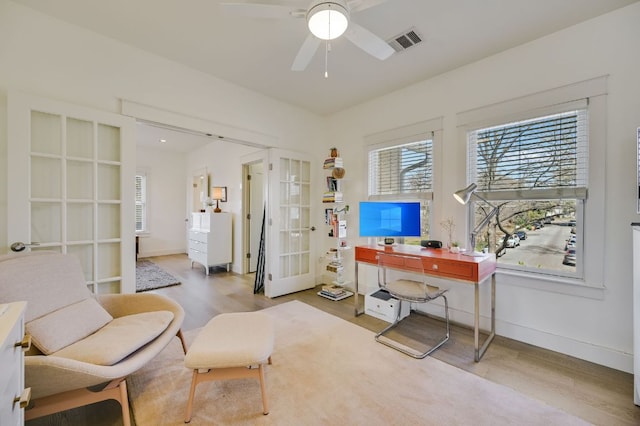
<point x="405" y="40"/>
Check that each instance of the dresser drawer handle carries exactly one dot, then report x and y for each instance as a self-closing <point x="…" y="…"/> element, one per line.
<point x="25" y="343"/>
<point x="434" y="267"/>
<point x="24" y="398"/>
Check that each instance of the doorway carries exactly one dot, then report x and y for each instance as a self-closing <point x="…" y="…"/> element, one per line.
<point x="255" y="211"/>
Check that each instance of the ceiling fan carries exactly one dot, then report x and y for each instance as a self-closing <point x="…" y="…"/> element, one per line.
<point x="326" y="19"/>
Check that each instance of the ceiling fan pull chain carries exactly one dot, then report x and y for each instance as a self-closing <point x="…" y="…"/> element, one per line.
<point x="327" y="46"/>
<point x="326" y="59"/>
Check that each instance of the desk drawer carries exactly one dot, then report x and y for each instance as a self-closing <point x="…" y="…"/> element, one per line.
<point x="364" y="254"/>
<point x="459" y="270"/>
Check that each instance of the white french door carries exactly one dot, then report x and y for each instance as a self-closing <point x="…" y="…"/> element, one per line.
<point x="290" y="242"/>
<point x="71" y="174"/>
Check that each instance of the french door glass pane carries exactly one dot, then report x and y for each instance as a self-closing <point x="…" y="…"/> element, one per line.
<point x="79" y="180"/>
<point x="46" y="222"/>
<point x="80" y="222"/>
<point x="79" y="138"/>
<point x="108" y="260"/>
<point x="109" y="219"/>
<point x="284" y="266"/>
<point x="295" y="264"/>
<point x="46" y="133"/>
<point x="46" y="177"/>
<point x="108" y="143"/>
<point x="84" y="252"/>
<point x="108" y="182"/>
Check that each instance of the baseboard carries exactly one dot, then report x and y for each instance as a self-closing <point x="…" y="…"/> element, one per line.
<point x="582" y="350"/>
<point x="165" y="252"/>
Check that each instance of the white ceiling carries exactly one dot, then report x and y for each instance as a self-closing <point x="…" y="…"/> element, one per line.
<point x="258" y="53"/>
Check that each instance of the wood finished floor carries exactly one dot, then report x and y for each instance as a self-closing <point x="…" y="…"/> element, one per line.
<point x="597" y="394"/>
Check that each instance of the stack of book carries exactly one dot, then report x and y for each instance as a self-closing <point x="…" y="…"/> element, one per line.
<point x="334" y="267"/>
<point x="334" y="292"/>
<point x="332" y="197"/>
<point x="332" y="162"/>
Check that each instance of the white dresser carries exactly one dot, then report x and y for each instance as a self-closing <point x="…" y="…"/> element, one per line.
<point x="13" y="396"/>
<point x="210" y="241"/>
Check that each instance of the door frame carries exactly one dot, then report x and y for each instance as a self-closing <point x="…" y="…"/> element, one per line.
<point x="248" y="160"/>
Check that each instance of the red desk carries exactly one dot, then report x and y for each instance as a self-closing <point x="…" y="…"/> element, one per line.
<point x="440" y="263"/>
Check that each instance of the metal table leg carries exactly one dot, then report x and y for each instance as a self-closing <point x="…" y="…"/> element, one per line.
<point x="356" y="297"/>
<point x="479" y="351"/>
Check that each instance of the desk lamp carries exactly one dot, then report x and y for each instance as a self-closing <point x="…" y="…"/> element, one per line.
<point x="218" y="195"/>
<point x="463" y="196"/>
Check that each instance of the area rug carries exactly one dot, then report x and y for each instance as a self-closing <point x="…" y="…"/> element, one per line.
<point x="150" y="276"/>
<point x="327" y="371"/>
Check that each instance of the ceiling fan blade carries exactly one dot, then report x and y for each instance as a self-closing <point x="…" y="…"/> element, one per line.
<point x="368" y="41"/>
<point x="306" y="52"/>
<point x="259" y="10"/>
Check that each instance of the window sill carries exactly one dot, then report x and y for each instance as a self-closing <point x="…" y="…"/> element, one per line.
<point x="550" y="283"/>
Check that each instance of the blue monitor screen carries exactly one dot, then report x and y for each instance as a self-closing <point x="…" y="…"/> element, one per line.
<point x="389" y="219"/>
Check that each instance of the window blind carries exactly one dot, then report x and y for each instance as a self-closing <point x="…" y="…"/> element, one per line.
<point x="546" y="156"/>
<point x="405" y="169"/>
<point x="140" y="203"/>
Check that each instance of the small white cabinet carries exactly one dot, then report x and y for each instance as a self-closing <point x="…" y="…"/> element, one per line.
<point x="12" y="393"/>
<point x="210" y="241"/>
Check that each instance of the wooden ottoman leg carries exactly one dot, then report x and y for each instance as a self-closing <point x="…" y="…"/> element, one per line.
<point x="182" y="341"/>
<point x="265" y="405"/>
<point x="124" y="402"/>
<point x="192" y="391"/>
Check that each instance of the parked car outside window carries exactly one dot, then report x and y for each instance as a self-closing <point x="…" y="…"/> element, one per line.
<point x="570" y="257"/>
<point x="522" y="235"/>
<point x="512" y="242"/>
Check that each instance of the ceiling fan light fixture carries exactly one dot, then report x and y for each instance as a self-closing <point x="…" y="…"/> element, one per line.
<point x="328" y="20"/>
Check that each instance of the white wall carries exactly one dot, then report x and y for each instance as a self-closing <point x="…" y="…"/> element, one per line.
<point x="47" y="57"/>
<point x="599" y="330"/>
<point x="223" y="161"/>
<point x="166" y="199"/>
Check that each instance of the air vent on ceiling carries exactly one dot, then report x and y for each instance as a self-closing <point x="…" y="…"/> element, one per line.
<point x="405" y="40"/>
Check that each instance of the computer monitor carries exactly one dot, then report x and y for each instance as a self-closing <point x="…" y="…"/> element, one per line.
<point x="385" y="219"/>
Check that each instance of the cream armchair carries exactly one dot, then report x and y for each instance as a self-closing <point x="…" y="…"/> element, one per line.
<point x="84" y="347"/>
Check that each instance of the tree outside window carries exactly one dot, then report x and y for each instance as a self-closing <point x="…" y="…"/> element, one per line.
<point x="535" y="172"/>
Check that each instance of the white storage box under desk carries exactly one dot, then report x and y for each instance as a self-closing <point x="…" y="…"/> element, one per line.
<point x="380" y="304"/>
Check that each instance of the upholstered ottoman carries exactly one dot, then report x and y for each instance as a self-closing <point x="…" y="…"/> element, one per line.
<point x="231" y="346"/>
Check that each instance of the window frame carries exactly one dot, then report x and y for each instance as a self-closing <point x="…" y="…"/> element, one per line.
<point x="578" y="192"/>
<point x="590" y="283"/>
<point x="405" y="135"/>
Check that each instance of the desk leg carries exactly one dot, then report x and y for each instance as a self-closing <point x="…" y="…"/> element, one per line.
<point x="356" y="297"/>
<point x="479" y="351"/>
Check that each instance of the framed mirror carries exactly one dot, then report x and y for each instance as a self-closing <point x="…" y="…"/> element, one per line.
<point x="200" y="189"/>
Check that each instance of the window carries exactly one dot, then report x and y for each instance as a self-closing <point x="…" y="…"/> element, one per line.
<point x="141" y="203"/>
<point x="401" y="168"/>
<point x="535" y="171"/>
<point x="539" y="159"/>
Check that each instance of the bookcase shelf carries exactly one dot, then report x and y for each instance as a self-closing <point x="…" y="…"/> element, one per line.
<point x="335" y="218"/>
